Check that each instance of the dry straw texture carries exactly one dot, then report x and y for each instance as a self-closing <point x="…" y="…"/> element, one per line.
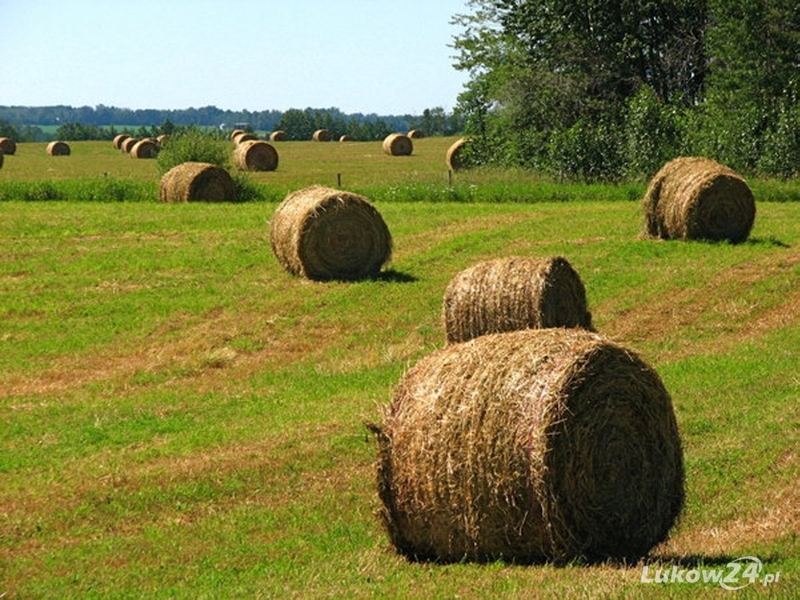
<point x="530" y="446"/>
<point x="398" y="144"/>
<point x="456" y="155"/>
<point x="58" y="149"/>
<point x="514" y="293"/>
<point x="8" y="146"/>
<point x="323" y="234"/>
<point x="346" y="138"/>
<point x="196" y="181"/>
<point x="278" y="136"/>
<point x="118" y="139"/>
<point x="321" y="135"/>
<point x="146" y="148"/>
<point x="416" y="134"/>
<point x="694" y="198"/>
<point x="236" y="132"/>
<point x="127" y="144"/>
<point x="243" y="137"/>
<point x="255" y="155"/>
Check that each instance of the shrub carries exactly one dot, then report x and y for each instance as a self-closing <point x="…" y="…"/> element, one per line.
<point x="192" y="146"/>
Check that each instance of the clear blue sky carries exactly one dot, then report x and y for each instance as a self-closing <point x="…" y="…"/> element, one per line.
<point x="381" y="56"/>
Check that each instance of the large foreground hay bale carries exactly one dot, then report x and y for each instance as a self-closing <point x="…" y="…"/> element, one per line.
<point x="322" y="234"/>
<point x="693" y="198"/>
<point x="57" y="148"/>
<point x="530" y="446"/>
<point x="321" y="135"/>
<point x="255" y="155"/>
<point x="456" y="156"/>
<point x="197" y="181"/>
<point x="398" y="144"/>
<point x="278" y="136"/>
<point x="146" y="148"/>
<point x="118" y="139"/>
<point x="8" y="146"/>
<point x="514" y="293"/>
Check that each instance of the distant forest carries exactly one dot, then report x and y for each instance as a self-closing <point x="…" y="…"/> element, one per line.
<point x="37" y="123"/>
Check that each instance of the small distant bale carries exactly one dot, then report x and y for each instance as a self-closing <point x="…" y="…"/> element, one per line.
<point x="57" y="148"/>
<point x="127" y="144"/>
<point x="161" y="139"/>
<point x="118" y="139"/>
<point x="346" y="138"/>
<point x="530" y="446"/>
<point x="197" y="182"/>
<point x="8" y="146"/>
<point x="321" y="135"/>
<point x="416" y="134"/>
<point x="255" y="155"/>
<point x="456" y="156"/>
<point x="278" y="136"/>
<point x="236" y="132"/>
<point x="146" y="148"/>
<point x="514" y="293"/>
<point x="325" y="234"/>
<point x="244" y="136"/>
<point x="696" y="198"/>
<point x="398" y="144"/>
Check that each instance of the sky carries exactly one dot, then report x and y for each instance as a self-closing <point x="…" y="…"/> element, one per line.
<point x="369" y="56"/>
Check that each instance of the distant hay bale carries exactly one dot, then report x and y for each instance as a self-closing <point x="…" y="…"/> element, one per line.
<point x="694" y="198"/>
<point x="278" y="136"/>
<point x="456" y="156"/>
<point x="146" y="148"/>
<point x="236" y="132"/>
<point x="416" y="134"/>
<point x="514" y="293"/>
<point x="8" y="146"/>
<point x="127" y="144"/>
<point x="118" y="139"/>
<point x="255" y="155"/>
<point x="324" y="234"/>
<point x="58" y="149"/>
<point x="244" y="136"/>
<point x="398" y="144"/>
<point x="2" y="158"/>
<point x="530" y="446"/>
<point x="321" y="135"/>
<point x="197" y="182"/>
<point x="346" y="138"/>
<point x="161" y="139"/>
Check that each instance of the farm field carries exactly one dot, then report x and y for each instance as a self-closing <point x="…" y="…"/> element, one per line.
<point x="182" y="418"/>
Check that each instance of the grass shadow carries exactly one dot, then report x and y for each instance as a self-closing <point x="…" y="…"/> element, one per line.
<point x="393" y="276"/>
<point x="770" y="241"/>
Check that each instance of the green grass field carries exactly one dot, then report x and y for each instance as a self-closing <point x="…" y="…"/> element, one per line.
<point x="181" y="418"/>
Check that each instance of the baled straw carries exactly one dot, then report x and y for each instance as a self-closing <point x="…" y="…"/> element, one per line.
<point x="255" y="155"/>
<point x="118" y="139"/>
<point x="530" y="446"/>
<point x="278" y="136"/>
<point x="694" y="198"/>
<point x="398" y="144"/>
<point x="345" y="138"/>
<point x="416" y="134"/>
<point x="57" y="148"/>
<point x="127" y="144"/>
<point x="146" y="148"/>
<point x="323" y="234"/>
<point x="8" y="146"/>
<point x="321" y="135"/>
<point x="2" y="158"/>
<point x="456" y="155"/>
<point x="514" y="293"/>
<point x="197" y="181"/>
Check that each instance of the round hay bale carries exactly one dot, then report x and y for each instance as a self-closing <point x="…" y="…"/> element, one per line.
<point x="416" y="134"/>
<point x="278" y="136"/>
<point x="514" y="293"/>
<point x="236" y="132"/>
<point x="127" y="144"/>
<point x="456" y="156"/>
<point x="323" y="234"/>
<point x="255" y="155"/>
<point x="8" y="146"/>
<point x="197" y="182"/>
<point x="694" y="198"/>
<point x="346" y="138"/>
<point x="530" y="446"/>
<point x="146" y="148"/>
<point x="321" y="135"/>
<point x="244" y="136"/>
<point x="398" y="144"/>
<point x="2" y="158"/>
<point x="58" y="149"/>
<point x="118" y="139"/>
<point x="161" y="139"/>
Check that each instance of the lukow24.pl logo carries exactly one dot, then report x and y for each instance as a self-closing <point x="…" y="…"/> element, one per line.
<point x="737" y="574"/>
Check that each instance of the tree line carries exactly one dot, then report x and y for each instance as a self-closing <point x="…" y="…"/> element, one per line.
<point x="601" y="89"/>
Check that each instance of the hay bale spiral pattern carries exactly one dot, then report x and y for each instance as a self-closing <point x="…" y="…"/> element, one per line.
<point x="57" y="148"/>
<point x="530" y="446"/>
<point x="514" y="293"/>
<point x="456" y="155"/>
<point x="197" y="181"/>
<point x="146" y="148"/>
<point x="693" y="198"/>
<point x="255" y="155"/>
<point x="322" y="234"/>
<point x="8" y="146"/>
<point x="398" y="144"/>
